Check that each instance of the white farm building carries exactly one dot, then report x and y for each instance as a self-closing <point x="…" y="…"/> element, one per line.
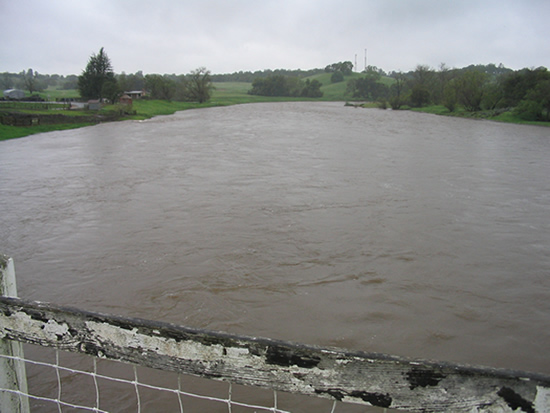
<point x="14" y="94"/>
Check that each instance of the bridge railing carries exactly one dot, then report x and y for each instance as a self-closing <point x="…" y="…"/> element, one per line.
<point x="342" y="376"/>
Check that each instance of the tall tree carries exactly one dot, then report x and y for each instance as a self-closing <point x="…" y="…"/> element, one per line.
<point x="198" y="85"/>
<point x="421" y="84"/>
<point x="31" y="82"/>
<point x="470" y="87"/>
<point x="397" y="90"/>
<point x="368" y="87"/>
<point x="312" y="89"/>
<point x="345" y="67"/>
<point x="160" y="87"/>
<point x="98" y="73"/>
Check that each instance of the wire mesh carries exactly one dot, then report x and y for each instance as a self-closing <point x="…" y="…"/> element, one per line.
<point x="67" y="382"/>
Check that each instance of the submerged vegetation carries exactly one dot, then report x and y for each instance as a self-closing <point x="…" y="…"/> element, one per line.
<point x="482" y="91"/>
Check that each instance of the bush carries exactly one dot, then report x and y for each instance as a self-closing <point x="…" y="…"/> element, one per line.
<point x="395" y="103"/>
<point x="336" y="77"/>
<point x="449" y="98"/>
<point x="420" y="96"/>
<point x="529" y="110"/>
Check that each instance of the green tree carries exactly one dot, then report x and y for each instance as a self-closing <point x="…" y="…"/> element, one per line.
<point x="277" y="85"/>
<point x="536" y="103"/>
<point x="529" y="110"/>
<point x="337" y="77"/>
<point x="70" y="82"/>
<point x="111" y="90"/>
<point x="521" y="87"/>
<point x="492" y="96"/>
<point x="160" y="87"/>
<point x="420" y="95"/>
<point x="6" y="82"/>
<point x="541" y="94"/>
<point x="98" y="72"/>
<point x="441" y="79"/>
<point x="345" y="67"/>
<point x="397" y="90"/>
<point x="368" y="87"/>
<point x="32" y="82"/>
<point x="123" y="82"/>
<point x="312" y="89"/>
<point x="470" y="89"/>
<point x="198" y="85"/>
<point x="421" y="84"/>
<point x="449" y="97"/>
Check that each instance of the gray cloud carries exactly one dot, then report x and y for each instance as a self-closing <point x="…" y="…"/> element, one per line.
<point x="164" y="36"/>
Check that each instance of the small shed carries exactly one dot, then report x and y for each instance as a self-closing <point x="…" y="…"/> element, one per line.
<point x="14" y="94"/>
<point x="125" y="100"/>
<point x="135" y="94"/>
<point x="94" y="104"/>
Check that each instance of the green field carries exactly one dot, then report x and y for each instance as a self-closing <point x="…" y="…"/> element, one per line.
<point x="11" y="132"/>
<point x="52" y="94"/>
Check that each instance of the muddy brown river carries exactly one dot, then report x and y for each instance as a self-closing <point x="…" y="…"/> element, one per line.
<point x="383" y="231"/>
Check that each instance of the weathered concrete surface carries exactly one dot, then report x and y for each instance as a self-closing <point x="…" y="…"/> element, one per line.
<point x="365" y="378"/>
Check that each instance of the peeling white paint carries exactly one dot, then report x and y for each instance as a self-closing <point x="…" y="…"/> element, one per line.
<point x="237" y="352"/>
<point x="188" y="350"/>
<point x="542" y="400"/>
<point x="52" y="327"/>
<point x="22" y="321"/>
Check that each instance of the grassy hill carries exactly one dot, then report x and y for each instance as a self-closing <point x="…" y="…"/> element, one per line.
<point x="236" y="92"/>
<point x="337" y="91"/>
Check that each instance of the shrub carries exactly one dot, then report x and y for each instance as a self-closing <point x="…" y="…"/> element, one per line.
<point x="336" y="77"/>
<point x="420" y="96"/>
<point x="449" y="98"/>
<point x="529" y="110"/>
<point x="395" y="102"/>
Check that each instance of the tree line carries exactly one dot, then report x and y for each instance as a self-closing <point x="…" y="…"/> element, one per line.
<point x="475" y="88"/>
<point x="249" y="77"/>
<point x="34" y="82"/>
<point x="280" y="85"/>
<point x="98" y="81"/>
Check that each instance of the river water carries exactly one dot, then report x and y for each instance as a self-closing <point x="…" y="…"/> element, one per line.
<point x="384" y="231"/>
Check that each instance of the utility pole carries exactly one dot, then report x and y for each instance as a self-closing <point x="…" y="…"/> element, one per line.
<point x="365" y="60"/>
<point x="355" y="62"/>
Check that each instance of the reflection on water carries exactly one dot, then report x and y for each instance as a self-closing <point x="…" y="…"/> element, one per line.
<point x="383" y="231"/>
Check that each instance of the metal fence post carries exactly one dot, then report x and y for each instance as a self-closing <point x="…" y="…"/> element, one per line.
<point x="12" y="371"/>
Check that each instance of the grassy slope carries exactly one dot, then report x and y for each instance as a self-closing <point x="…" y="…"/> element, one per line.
<point x="51" y="94"/>
<point x="236" y="92"/>
<point x="11" y="132"/>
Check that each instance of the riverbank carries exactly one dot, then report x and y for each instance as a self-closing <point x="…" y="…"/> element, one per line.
<point x="225" y="94"/>
<point x="17" y="124"/>
<point x="497" y="115"/>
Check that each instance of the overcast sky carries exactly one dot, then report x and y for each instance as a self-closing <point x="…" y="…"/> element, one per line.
<point x="177" y="36"/>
